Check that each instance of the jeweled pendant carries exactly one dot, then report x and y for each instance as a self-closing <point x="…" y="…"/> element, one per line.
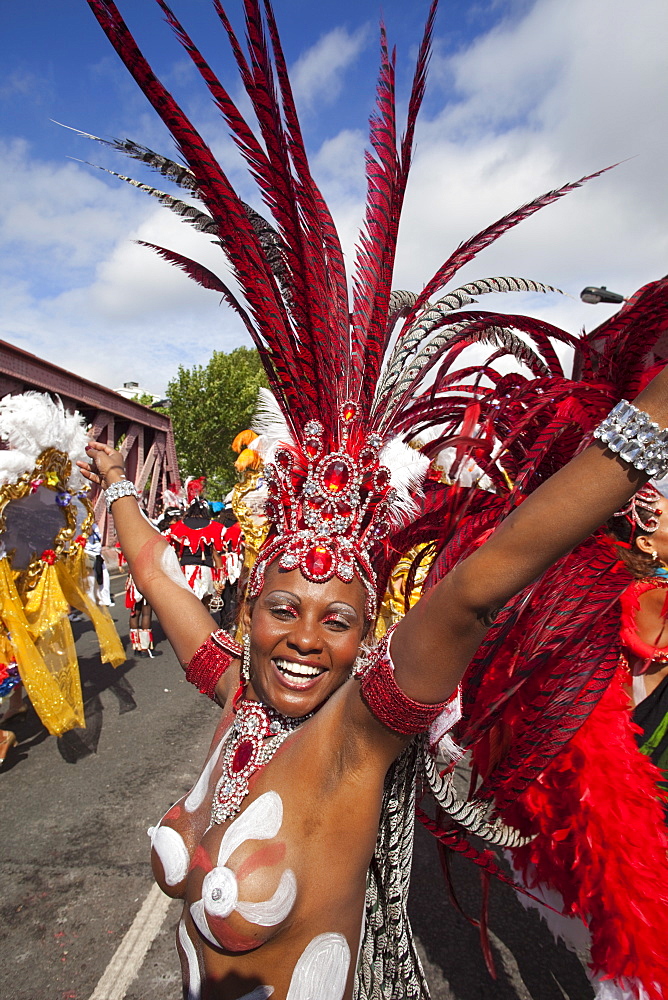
<point x="246" y="752"/>
<point x="242" y="755"/>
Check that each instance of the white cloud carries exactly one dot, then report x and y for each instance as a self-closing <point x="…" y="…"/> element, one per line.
<point x="78" y="291"/>
<point x="61" y="215"/>
<point x="561" y="90"/>
<point x="317" y="75"/>
<point x="19" y="84"/>
<point x="565" y="90"/>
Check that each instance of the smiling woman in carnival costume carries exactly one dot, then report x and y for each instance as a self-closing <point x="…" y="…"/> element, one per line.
<point x="292" y="851"/>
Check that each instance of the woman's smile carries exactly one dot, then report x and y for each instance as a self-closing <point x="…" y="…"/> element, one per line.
<point x="297" y="674"/>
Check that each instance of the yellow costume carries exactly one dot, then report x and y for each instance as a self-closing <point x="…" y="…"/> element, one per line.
<point x="45" y="517"/>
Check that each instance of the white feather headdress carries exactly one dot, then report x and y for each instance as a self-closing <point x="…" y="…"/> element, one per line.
<point x="32" y="422"/>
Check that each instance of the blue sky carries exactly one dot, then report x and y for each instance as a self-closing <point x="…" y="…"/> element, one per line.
<point x="522" y="97"/>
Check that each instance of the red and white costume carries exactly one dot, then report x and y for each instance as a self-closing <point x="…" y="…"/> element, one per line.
<point x="194" y="546"/>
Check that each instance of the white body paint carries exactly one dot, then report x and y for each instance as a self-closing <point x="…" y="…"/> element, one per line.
<point x="220" y="890"/>
<point x="172" y="851"/>
<point x="194" y="976"/>
<point x="169" y="564"/>
<point x="261" y="821"/>
<point x="272" y="911"/>
<point x="199" y="919"/>
<point x="198" y="792"/>
<point x="321" y="971"/>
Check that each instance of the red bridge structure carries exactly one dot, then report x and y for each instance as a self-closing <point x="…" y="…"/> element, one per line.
<point x="144" y="437"/>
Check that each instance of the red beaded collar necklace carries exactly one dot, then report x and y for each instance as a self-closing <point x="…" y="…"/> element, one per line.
<point x="256" y="734"/>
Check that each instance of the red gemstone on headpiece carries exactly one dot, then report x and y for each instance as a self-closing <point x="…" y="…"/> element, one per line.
<point x="311" y="450"/>
<point x="318" y="561"/>
<point x="242" y="755"/>
<point x="349" y="410"/>
<point x="343" y="509"/>
<point x="326" y="512"/>
<point x="336" y="476"/>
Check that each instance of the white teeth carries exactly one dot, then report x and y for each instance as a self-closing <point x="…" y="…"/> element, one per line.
<point x="297" y="669"/>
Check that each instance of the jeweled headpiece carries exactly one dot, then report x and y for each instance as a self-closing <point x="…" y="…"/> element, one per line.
<point x="329" y="507"/>
<point x="640" y="511"/>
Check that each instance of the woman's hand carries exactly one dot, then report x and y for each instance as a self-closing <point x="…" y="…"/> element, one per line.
<point x="105" y="467"/>
<point x="151" y="560"/>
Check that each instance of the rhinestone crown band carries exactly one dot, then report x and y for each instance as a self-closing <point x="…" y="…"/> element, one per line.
<point x="636" y="438"/>
<point x="123" y="488"/>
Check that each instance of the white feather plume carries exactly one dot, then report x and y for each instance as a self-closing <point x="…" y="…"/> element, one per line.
<point x="270" y="426"/>
<point x="407" y="468"/>
<point x="32" y="422"/>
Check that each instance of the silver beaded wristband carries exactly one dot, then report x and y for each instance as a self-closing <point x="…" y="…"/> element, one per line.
<point x="636" y="438"/>
<point x="123" y="488"/>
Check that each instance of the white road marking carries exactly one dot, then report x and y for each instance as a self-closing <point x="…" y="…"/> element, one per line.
<point x="129" y="956"/>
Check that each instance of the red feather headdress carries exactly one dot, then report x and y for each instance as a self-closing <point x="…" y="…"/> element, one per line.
<point x="348" y="384"/>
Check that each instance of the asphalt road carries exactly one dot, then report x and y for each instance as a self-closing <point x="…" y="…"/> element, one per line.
<point x="74" y="869"/>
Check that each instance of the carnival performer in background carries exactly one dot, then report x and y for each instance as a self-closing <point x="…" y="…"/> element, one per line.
<point x="232" y="561"/>
<point x="141" y="616"/>
<point x="597" y="807"/>
<point x="592" y="800"/>
<point x="140" y="621"/>
<point x="99" y="582"/>
<point x="140" y="624"/>
<point x="198" y="540"/>
<point x="44" y="524"/>
<point x="168" y="517"/>
<point x="322" y="741"/>
<point x="598" y="858"/>
<point x="247" y="500"/>
<point x="641" y="534"/>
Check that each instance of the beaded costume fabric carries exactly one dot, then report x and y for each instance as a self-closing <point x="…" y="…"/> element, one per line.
<point x="389" y="967"/>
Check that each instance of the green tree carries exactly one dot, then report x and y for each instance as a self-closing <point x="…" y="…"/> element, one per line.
<point x="209" y="405"/>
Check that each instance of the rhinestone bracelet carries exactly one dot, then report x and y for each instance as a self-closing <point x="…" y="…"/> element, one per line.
<point x="123" y="488"/>
<point x="636" y="438"/>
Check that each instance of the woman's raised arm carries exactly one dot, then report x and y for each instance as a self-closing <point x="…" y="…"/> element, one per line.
<point x="151" y="560"/>
<point x="435" y="641"/>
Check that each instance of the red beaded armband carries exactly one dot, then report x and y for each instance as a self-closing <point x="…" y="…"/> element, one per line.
<point x="211" y="661"/>
<point x="388" y="703"/>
